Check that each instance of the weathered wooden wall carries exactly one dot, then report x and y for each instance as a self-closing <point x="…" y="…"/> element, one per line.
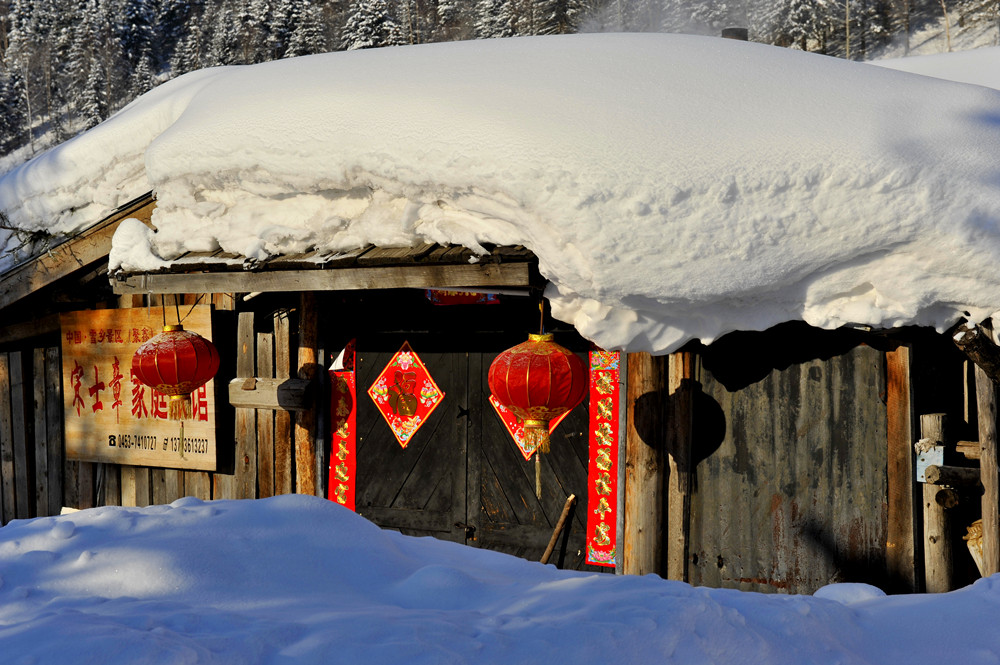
<point x="790" y="493"/>
<point x="36" y="479"/>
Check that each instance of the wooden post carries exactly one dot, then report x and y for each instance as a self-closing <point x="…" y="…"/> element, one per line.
<point x="305" y="421"/>
<point x="680" y="387"/>
<point x="265" y="419"/>
<point x="7" y="488"/>
<point x="938" y="554"/>
<point x="54" y="416"/>
<point x="986" y="406"/>
<point x="644" y="465"/>
<point x="282" y="419"/>
<point x="901" y="550"/>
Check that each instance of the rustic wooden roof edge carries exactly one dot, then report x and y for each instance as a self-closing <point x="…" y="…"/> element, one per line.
<point x="81" y="250"/>
<point x="369" y="256"/>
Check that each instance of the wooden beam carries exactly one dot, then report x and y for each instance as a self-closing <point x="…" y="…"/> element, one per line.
<point x="986" y="409"/>
<point x="267" y="393"/>
<point x="644" y="465"/>
<point x="340" y="279"/>
<point x="305" y="421"/>
<point x="939" y="568"/>
<point x="680" y="388"/>
<point x="901" y="548"/>
<point x="63" y="260"/>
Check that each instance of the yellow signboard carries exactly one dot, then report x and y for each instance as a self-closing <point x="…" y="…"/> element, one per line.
<point x="112" y="417"/>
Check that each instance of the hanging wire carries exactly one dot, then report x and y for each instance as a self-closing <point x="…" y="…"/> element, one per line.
<point x="177" y="309"/>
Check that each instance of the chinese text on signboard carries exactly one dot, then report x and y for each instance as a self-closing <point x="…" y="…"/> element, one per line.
<point x="112" y="417"/>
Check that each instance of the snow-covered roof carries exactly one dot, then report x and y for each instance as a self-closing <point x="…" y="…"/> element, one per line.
<point x="672" y="187"/>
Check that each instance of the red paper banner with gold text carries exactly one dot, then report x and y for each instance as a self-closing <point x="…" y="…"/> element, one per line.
<point x="343" y="440"/>
<point x="602" y="499"/>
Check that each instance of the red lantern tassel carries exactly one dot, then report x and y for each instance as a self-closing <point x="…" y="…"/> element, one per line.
<point x="179" y="407"/>
<point x="536" y="435"/>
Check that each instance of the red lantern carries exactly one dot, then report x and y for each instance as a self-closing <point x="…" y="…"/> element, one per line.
<point x="538" y="380"/>
<point x="176" y="363"/>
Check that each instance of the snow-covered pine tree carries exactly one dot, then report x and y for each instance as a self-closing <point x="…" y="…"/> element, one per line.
<point x="494" y="18"/>
<point x="370" y="24"/>
<point x="13" y="124"/>
<point x="93" y="99"/>
<point x="143" y="78"/>
<point x="308" y="35"/>
<point x="558" y="17"/>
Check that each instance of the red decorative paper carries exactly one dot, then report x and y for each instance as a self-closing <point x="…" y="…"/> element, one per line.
<point x="602" y="500"/>
<point x="515" y="426"/>
<point x="439" y="297"/>
<point x="405" y="394"/>
<point x="343" y="439"/>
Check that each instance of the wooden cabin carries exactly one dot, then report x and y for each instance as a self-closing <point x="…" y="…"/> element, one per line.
<point x="776" y="461"/>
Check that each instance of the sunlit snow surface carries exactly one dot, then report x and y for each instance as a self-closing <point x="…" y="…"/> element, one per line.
<point x="298" y="579"/>
<point x="672" y="186"/>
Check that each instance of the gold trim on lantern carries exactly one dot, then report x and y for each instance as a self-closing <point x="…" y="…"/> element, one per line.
<point x="173" y="327"/>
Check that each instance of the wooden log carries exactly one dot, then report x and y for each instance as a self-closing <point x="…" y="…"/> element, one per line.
<point x="986" y="406"/>
<point x="305" y="421"/>
<point x="271" y="394"/>
<point x="570" y="502"/>
<point x="681" y="389"/>
<point x="938" y="553"/>
<point x="645" y="469"/>
<point x="902" y="563"/>
<point x="283" y="433"/>
<point x="952" y="476"/>
<point x="976" y="342"/>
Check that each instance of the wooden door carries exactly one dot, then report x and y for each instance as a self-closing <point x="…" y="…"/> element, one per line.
<point x="462" y="477"/>
<point x="419" y="490"/>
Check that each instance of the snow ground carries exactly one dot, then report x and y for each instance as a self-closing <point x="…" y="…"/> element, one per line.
<point x="673" y="187"/>
<point x="295" y="579"/>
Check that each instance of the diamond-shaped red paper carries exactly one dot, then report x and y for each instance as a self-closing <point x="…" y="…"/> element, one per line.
<point x="405" y="394"/>
<point x="515" y="426"/>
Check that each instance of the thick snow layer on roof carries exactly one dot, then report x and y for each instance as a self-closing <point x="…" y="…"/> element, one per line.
<point x="296" y="580"/>
<point x="672" y="186"/>
<point x="978" y="67"/>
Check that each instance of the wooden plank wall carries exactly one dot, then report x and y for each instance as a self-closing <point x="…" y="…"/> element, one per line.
<point x="36" y="479"/>
<point x="793" y="497"/>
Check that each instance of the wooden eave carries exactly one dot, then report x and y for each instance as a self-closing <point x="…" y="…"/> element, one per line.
<point x="425" y="266"/>
<point x="81" y="251"/>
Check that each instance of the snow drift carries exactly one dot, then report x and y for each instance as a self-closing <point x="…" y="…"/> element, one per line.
<point x="673" y="187"/>
<point x="298" y="579"/>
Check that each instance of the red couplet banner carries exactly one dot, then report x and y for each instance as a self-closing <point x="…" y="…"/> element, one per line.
<point x="344" y="415"/>
<point x="602" y="476"/>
